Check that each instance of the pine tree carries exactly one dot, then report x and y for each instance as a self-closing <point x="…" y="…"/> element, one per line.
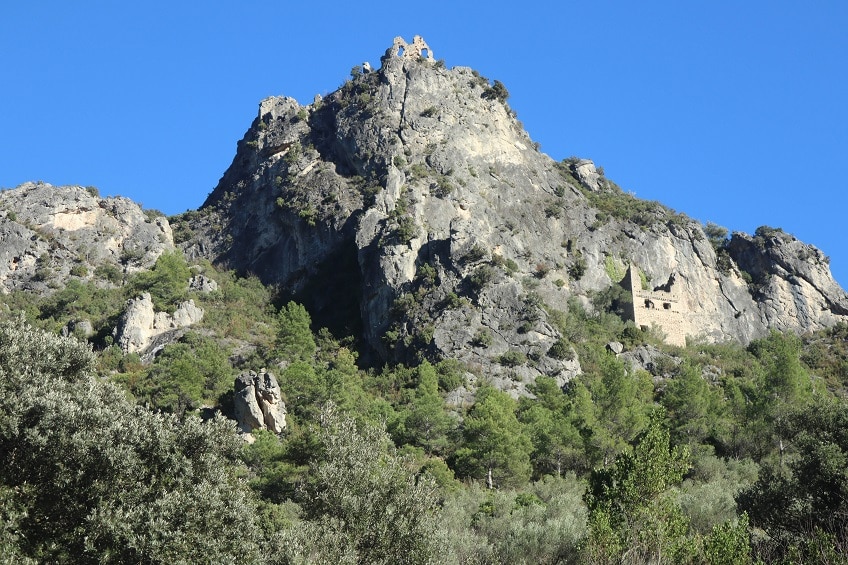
<point x="496" y="447"/>
<point x="294" y="336"/>
<point x="427" y="424"/>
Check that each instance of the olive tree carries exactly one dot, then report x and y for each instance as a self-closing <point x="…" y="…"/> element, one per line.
<point x="88" y="476"/>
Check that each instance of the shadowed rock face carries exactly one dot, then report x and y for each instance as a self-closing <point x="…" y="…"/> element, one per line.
<point x="410" y="207"/>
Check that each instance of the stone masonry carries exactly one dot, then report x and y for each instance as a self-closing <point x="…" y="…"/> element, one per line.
<point x="415" y="50"/>
<point x="661" y="306"/>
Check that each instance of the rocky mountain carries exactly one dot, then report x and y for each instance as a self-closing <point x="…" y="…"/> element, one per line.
<point x="410" y="207"/>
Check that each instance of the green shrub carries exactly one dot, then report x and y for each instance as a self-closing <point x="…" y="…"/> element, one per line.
<point x="167" y="282"/>
<point x="152" y="213"/>
<point x="512" y="358"/>
<point x="553" y="210"/>
<point x="95" y="478"/>
<point x="406" y="229"/>
<point x="766" y="232"/>
<point x="482" y="338"/>
<point x="443" y="187"/>
<point x="561" y="350"/>
<point x="293" y="154"/>
<point x="717" y="235"/>
<point x="450" y="374"/>
<point x="476" y="253"/>
<point x="577" y="269"/>
<point x="453" y="301"/>
<point x="482" y="276"/>
<point x="496" y="92"/>
<point x="418" y="171"/>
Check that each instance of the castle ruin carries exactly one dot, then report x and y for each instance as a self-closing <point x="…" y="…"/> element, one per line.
<point x="661" y="307"/>
<point x="418" y="49"/>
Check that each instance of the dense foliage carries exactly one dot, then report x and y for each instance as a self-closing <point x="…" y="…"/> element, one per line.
<point x="718" y="453"/>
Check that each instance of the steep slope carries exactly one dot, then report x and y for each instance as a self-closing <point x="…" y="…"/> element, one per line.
<point x="411" y="206"/>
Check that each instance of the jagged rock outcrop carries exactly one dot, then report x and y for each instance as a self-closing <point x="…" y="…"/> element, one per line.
<point x="141" y="329"/>
<point x="411" y="207"/>
<point x="258" y="403"/>
<point x="52" y="233"/>
<point x="587" y="174"/>
<point x="648" y="358"/>
<point x="790" y="280"/>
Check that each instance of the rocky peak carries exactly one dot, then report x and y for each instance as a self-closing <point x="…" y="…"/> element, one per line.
<point x="411" y="207"/>
<point x="790" y="279"/>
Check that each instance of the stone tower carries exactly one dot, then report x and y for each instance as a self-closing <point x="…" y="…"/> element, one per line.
<point x="661" y="307"/>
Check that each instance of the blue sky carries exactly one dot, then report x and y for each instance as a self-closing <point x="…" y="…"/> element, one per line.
<point x="732" y="112"/>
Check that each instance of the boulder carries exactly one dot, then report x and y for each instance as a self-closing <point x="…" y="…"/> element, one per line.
<point x="258" y="402"/>
<point x="202" y="283"/>
<point x="615" y="347"/>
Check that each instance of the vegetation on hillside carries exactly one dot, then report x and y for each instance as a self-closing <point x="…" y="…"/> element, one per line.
<point x="720" y="453"/>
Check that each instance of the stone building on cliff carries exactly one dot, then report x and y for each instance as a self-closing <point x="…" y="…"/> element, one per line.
<point x="661" y="306"/>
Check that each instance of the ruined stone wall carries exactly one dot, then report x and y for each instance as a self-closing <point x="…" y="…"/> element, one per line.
<point x="661" y="307"/>
<point x="415" y="50"/>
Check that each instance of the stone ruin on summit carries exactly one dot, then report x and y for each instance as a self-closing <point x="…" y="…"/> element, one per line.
<point x="418" y="49"/>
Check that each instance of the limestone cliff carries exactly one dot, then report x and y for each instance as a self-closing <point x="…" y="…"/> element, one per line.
<point x="51" y="233"/>
<point x="411" y="207"/>
<point x="142" y="330"/>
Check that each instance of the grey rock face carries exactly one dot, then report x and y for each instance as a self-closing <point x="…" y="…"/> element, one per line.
<point x="411" y="206"/>
<point x="790" y="280"/>
<point x="50" y="233"/>
<point x="140" y="326"/>
<point x="258" y="404"/>
<point x="587" y="174"/>
<point x="648" y="358"/>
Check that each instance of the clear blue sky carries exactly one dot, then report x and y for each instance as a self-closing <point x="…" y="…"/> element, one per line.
<point x="733" y="112"/>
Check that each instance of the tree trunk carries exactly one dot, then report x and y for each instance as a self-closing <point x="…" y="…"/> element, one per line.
<point x="489" y="482"/>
